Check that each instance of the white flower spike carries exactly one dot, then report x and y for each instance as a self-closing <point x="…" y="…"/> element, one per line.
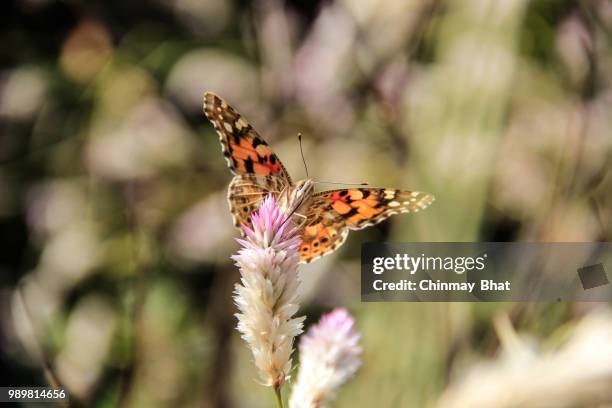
<point x="329" y="356"/>
<point x="266" y="296"/>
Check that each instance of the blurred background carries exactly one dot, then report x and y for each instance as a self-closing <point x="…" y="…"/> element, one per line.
<point x="115" y="277"/>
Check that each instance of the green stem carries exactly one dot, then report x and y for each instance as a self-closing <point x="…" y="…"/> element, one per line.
<point x="279" y="399"/>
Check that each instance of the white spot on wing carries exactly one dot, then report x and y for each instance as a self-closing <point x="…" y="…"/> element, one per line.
<point x="240" y="124"/>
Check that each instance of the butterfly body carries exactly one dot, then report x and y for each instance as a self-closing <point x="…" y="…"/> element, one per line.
<point x="295" y="196"/>
<point x="324" y="218"/>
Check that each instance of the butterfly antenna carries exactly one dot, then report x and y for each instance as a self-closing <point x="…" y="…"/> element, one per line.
<point x="302" y="153"/>
<point x="343" y="184"/>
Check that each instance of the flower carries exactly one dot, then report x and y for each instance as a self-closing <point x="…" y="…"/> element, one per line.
<point x="329" y="356"/>
<point x="266" y="296"/>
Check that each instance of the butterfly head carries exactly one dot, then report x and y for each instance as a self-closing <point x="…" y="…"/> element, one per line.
<point x="293" y="197"/>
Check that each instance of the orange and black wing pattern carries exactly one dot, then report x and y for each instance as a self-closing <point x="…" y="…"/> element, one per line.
<point x="332" y="214"/>
<point x="244" y="150"/>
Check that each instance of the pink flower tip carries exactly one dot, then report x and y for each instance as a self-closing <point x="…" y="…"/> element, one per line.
<point x="339" y="319"/>
<point x="337" y="324"/>
<point x="270" y="224"/>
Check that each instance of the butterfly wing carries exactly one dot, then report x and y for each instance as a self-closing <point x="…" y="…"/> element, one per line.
<point x="246" y="193"/>
<point x="244" y="150"/>
<point x="258" y="170"/>
<point x="332" y="214"/>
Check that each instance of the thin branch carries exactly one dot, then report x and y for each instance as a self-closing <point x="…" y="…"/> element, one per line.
<point x="45" y="360"/>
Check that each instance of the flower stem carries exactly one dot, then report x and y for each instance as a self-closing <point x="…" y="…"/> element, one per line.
<point x="279" y="399"/>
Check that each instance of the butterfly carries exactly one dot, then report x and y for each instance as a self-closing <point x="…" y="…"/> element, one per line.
<point x="326" y="217"/>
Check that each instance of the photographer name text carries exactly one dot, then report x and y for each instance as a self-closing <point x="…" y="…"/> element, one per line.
<point x="437" y="285"/>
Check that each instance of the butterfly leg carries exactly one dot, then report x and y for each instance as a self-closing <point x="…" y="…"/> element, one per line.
<point x="303" y="221"/>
